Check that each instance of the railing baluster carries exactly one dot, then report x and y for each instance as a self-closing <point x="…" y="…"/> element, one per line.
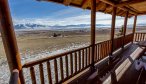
<point x="95" y="53"/>
<point x="32" y="73"/>
<point x="89" y="56"/>
<point x="86" y="57"/>
<point x="104" y="48"/>
<point x="83" y="58"/>
<point x="71" y="63"/>
<point x="143" y="37"/>
<point x="75" y="62"/>
<point x="49" y="72"/>
<point x="98" y="52"/>
<point x="136" y="37"/>
<point x="66" y="62"/>
<point x="41" y="73"/>
<point x="56" y="70"/>
<point x="61" y="68"/>
<point x="79" y="60"/>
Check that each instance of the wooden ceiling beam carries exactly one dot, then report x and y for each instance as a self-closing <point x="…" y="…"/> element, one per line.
<point x="114" y="5"/>
<point x="100" y="5"/>
<point x="67" y="2"/>
<point x="85" y="3"/>
<point x="129" y="2"/>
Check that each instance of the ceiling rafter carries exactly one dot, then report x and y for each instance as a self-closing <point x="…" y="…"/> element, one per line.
<point x="67" y="2"/>
<point x="113" y="4"/>
<point x="130" y="2"/>
<point x="86" y="3"/>
<point x="100" y="5"/>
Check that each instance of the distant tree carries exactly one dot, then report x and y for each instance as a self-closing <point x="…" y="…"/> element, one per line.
<point x="121" y="30"/>
<point x="54" y="35"/>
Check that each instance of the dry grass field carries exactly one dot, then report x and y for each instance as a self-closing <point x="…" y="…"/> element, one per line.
<point x="37" y="41"/>
<point x="34" y="42"/>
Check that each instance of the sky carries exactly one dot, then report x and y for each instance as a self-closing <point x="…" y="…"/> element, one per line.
<point x="48" y="13"/>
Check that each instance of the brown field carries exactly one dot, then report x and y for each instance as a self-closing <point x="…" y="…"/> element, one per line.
<point x="34" y="42"/>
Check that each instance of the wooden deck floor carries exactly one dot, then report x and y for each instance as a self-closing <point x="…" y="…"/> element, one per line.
<point x="108" y="73"/>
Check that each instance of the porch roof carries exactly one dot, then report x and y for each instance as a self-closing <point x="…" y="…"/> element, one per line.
<point x="135" y="7"/>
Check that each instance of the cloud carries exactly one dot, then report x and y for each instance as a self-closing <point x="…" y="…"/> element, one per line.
<point x="78" y="19"/>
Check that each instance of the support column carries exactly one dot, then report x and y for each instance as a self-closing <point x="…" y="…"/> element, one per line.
<point x="93" y="28"/>
<point x="125" y="27"/>
<point x="9" y="39"/>
<point x="113" y="30"/>
<point x="134" y="26"/>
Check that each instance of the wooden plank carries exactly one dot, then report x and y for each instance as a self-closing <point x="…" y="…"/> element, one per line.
<point x="129" y="2"/>
<point x="79" y="60"/>
<point x="66" y="62"/>
<point x="71" y="63"/>
<point x="61" y="69"/>
<point x="85" y="3"/>
<point x="86" y="56"/>
<point x="83" y="54"/>
<point x="41" y="73"/>
<point x="32" y="73"/>
<point x="89" y="56"/>
<point x="49" y="72"/>
<point x="67" y="2"/>
<point x="75" y="62"/>
<point x="98" y="52"/>
<point x="95" y="57"/>
<point x="143" y="36"/>
<point x="56" y="71"/>
<point x="100" y="6"/>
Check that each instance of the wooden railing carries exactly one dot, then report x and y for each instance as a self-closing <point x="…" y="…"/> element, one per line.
<point x="118" y="42"/>
<point x="63" y="66"/>
<point x="140" y="37"/>
<point x="128" y="38"/>
<point x="102" y="50"/>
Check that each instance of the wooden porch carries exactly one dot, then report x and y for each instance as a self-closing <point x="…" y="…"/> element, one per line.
<point x="105" y="62"/>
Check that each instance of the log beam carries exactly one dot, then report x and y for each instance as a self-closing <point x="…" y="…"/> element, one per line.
<point x="134" y="25"/>
<point x="9" y="39"/>
<point x="67" y="2"/>
<point x="129" y="2"/>
<point x="113" y="30"/>
<point x="86" y="3"/>
<point x="114" y="5"/>
<point x="93" y="28"/>
<point x="125" y="27"/>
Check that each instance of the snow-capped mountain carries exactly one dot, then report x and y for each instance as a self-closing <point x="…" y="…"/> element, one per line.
<point x="39" y="26"/>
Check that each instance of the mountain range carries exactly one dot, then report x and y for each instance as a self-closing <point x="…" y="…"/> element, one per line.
<point x="39" y="26"/>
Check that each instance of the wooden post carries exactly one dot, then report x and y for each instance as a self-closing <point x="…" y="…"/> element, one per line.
<point x="9" y="39"/>
<point x="93" y="28"/>
<point x="125" y="27"/>
<point x="113" y="30"/>
<point x="134" y="26"/>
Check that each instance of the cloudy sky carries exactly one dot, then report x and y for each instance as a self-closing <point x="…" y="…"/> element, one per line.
<point x="32" y="11"/>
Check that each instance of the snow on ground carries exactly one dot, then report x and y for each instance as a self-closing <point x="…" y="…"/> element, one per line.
<point x="4" y="70"/>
